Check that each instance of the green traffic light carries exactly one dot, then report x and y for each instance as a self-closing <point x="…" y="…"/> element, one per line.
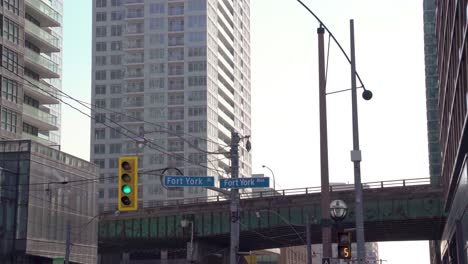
<point x="126" y="189"/>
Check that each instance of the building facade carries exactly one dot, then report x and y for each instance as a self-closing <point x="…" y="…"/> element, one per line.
<point x="451" y="25"/>
<point x="43" y="194"/>
<point x="31" y="70"/>
<point x="171" y="80"/>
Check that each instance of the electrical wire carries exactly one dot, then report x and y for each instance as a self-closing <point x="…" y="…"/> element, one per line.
<point x="152" y="145"/>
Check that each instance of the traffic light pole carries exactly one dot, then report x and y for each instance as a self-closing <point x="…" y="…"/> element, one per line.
<point x="356" y="157"/>
<point x="234" y="155"/>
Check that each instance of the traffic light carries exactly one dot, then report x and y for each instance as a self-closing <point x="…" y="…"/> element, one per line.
<point x="344" y="245"/>
<point x="128" y="183"/>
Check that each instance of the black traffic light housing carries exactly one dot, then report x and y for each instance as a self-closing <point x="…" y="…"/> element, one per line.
<point x="128" y="183"/>
<point x="344" y="245"/>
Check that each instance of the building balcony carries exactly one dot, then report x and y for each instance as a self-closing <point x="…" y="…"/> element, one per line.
<point x="225" y="118"/>
<point x="222" y="129"/>
<point x="46" y="41"/>
<point x="42" y="65"/>
<point x="38" y="118"/>
<point x="44" y="93"/>
<point x="134" y="2"/>
<point x="43" y="13"/>
<point x="37" y="139"/>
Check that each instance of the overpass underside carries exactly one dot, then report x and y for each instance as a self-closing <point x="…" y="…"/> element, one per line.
<point x="393" y="214"/>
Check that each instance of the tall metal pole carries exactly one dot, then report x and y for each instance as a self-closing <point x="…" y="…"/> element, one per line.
<point x="234" y="152"/>
<point x="356" y="156"/>
<point x="309" y="242"/>
<point x="325" y="197"/>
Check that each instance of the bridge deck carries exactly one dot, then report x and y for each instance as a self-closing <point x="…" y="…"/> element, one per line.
<point x="403" y="210"/>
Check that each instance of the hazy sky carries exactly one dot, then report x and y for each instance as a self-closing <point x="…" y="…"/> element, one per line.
<point x="285" y="128"/>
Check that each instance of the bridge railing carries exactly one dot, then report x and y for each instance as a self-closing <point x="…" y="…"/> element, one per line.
<point x="279" y="193"/>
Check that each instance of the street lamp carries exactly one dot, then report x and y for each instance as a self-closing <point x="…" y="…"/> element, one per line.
<point x="274" y="181"/>
<point x="185" y="223"/>
<point x="338" y="210"/>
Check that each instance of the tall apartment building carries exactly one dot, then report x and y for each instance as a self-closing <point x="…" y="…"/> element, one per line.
<point x="178" y="73"/>
<point x="450" y="24"/>
<point x="31" y="70"/>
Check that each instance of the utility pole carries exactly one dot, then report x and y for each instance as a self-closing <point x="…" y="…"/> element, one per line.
<point x="234" y="155"/>
<point x="325" y="189"/>
<point x="68" y="243"/>
<point x="356" y="156"/>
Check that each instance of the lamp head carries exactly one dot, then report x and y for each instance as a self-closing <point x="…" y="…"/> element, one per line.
<point x="367" y="95"/>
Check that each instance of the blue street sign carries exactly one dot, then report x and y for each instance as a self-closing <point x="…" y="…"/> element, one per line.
<point x="188" y="181"/>
<point x="238" y="183"/>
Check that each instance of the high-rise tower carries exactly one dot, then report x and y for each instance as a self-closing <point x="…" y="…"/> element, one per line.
<point x="173" y="75"/>
<point x="31" y="70"/>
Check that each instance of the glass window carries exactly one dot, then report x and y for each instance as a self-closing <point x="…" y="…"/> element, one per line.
<point x="116" y="45"/>
<point x="101" y="16"/>
<point x="10" y="60"/>
<point x="116" y="30"/>
<point x="101" y="60"/>
<point x="9" y="90"/>
<point x="101" y="75"/>
<point x="117" y="15"/>
<point x="99" y="133"/>
<point x="8" y="120"/>
<point x="99" y="149"/>
<point x="100" y="89"/>
<point x="10" y="30"/>
<point x="101" y="46"/>
<point x="12" y="5"/>
<point x="101" y="3"/>
<point x="101" y="31"/>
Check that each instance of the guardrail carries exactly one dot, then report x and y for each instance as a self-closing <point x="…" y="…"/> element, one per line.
<point x="280" y="193"/>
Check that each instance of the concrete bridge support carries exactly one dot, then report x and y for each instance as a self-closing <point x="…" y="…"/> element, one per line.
<point x="207" y="253"/>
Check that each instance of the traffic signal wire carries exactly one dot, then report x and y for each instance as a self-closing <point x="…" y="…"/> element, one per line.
<point x="155" y="146"/>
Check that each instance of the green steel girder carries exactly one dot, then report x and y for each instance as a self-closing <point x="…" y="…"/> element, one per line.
<point x="402" y="213"/>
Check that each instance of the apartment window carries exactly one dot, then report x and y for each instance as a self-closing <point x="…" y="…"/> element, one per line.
<point x="101" y="3"/>
<point x="115" y="132"/>
<point x="116" y="59"/>
<point x="158" y="54"/>
<point x="116" y="74"/>
<point x="99" y="118"/>
<point x="99" y="149"/>
<point x="197" y="5"/>
<point x="101" y="60"/>
<point x="116" y="117"/>
<point x="197" y="36"/>
<point x="156" y="23"/>
<point x="115" y="148"/>
<point x="100" y="162"/>
<point x="31" y="101"/>
<point x="12" y="5"/>
<point x="196" y="96"/>
<point x="117" y="15"/>
<point x="100" y="89"/>
<point x="196" y="126"/>
<point x="101" y="75"/>
<point x="157" y="8"/>
<point x="32" y="130"/>
<point x="197" y="66"/>
<point x="101" y="16"/>
<point x="116" y="89"/>
<point x="197" y="81"/>
<point x="116" y="2"/>
<point x="99" y="133"/>
<point x="176" y="84"/>
<point x="113" y="163"/>
<point x="10" y="30"/>
<point x="157" y="39"/>
<point x="9" y="90"/>
<point x="156" y="83"/>
<point x="175" y="98"/>
<point x="197" y="51"/>
<point x="197" y="21"/>
<point x="116" y="45"/>
<point x="101" y="46"/>
<point x="116" y="30"/>
<point x="176" y="114"/>
<point x="101" y="31"/>
<point x="197" y="111"/>
<point x="100" y="103"/>
<point x="8" y="120"/>
<point x="116" y="103"/>
<point x="101" y="193"/>
<point x="10" y="60"/>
